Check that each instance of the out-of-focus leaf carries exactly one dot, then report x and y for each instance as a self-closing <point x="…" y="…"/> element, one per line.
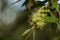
<point x="25" y="3"/>
<point x="40" y="3"/>
<point x="55" y="4"/>
<point x="26" y="32"/>
<point x="51" y="19"/>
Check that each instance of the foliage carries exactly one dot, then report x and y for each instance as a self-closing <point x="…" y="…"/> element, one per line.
<point x="41" y="15"/>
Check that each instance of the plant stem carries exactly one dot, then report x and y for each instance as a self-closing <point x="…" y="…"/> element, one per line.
<point x="34" y="34"/>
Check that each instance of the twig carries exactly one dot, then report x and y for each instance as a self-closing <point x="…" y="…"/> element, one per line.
<point x="34" y="34"/>
<point x="32" y="30"/>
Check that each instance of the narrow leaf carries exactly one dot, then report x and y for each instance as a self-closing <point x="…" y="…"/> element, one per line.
<point x="55" y="4"/>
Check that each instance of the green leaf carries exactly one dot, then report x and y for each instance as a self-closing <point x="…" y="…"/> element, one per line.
<point x="55" y="4"/>
<point x="52" y="19"/>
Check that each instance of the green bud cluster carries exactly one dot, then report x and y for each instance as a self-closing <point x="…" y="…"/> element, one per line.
<point x="37" y="19"/>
